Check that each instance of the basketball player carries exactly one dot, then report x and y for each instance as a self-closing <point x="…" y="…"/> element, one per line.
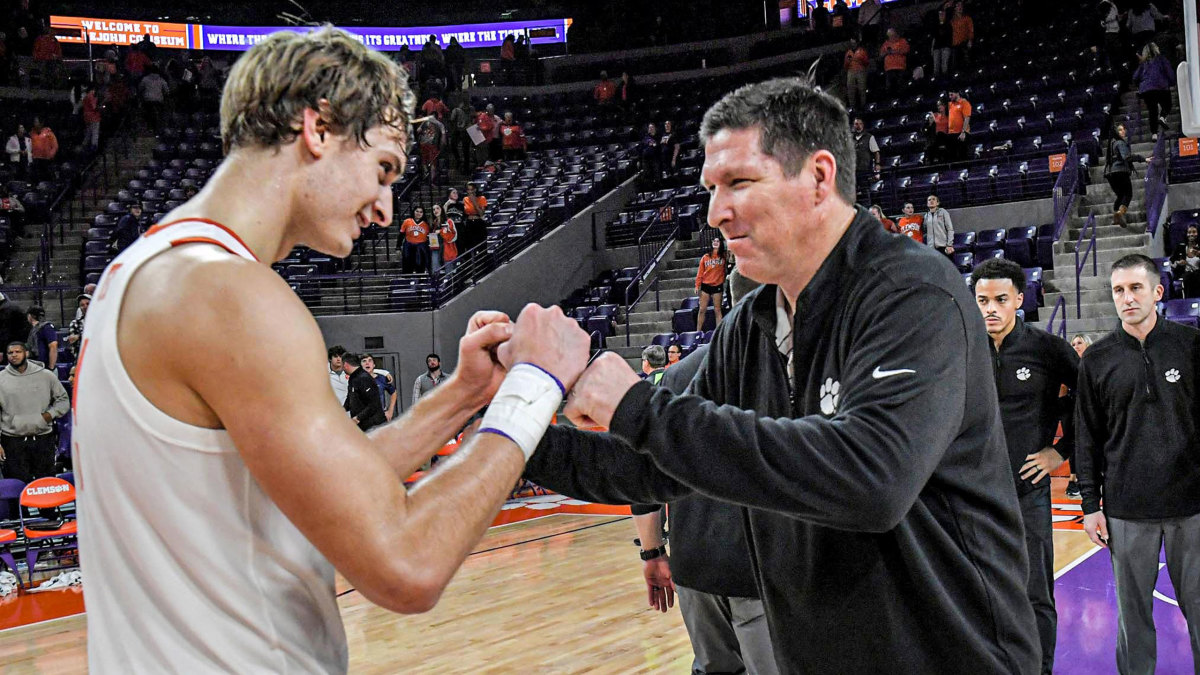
<point x="216" y="502"/>
<point x="840" y="405"/>
<point x="1031" y="366"/>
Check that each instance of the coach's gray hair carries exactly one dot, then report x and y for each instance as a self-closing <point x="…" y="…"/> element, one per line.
<point x="795" y="119"/>
<point x="655" y="355"/>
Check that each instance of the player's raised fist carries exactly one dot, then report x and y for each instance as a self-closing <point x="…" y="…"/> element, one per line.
<point x="548" y="339"/>
<point x="599" y="391"/>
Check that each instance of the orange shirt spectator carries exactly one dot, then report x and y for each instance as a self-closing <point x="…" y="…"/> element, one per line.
<point x="711" y="271"/>
<point x="856" y="60"/>
<point x="47" y="48"/>
<point x="513" y="136"/>
<point x="474" y="206"/>
<point x="941" y="123"/>
<point x="43" y="143"/>
<point x="435" y="106"/>
<point x="136" y="63"/>
<point x="910" y="226"/>
<point x="415" y="232"/>
<point x="895" y="53"/>
<point x="962" y="29"/>
<point x="605" y="90"/>
<point x="91" y="109"/>
<point x="508" y="50"/>
<point x="960" y="114"/>
<point x="448" y="233"/>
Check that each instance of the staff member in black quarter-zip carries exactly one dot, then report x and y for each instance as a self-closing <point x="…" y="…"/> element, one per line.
<point x="847" y="406"/>
<point x="1030" y="366"/>
<point x="1138" y="449"/>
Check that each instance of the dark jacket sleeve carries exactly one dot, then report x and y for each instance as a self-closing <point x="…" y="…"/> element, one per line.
<point x="1091" y="430"/>
<point x="1068" y="374"/>
<point x="861" y="469"/>
<point x="598" y="467"/>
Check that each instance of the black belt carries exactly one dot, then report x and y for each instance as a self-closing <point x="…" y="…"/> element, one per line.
<point x="25" y="438"/>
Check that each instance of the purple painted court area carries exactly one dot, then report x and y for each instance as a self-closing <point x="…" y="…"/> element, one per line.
<point x="1086" y="598"/>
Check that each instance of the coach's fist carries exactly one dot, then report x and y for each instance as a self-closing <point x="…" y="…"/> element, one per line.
<point x="599" y="391"/>
<point x="549" y="340"/>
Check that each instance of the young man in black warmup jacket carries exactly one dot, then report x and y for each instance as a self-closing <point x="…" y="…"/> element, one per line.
<point x="840" y="405"/>
<point x="1030" y="366"/>
<point x="1139" y="451"/>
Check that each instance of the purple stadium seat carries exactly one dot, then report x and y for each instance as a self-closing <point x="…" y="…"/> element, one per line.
<point x="690" y="303"/>
<point x="987" y="241"/>
<point x="1019" y="245"/>
<point x="963" y="240"/>
<point x="1183" y="311"/>
<point x="684" y="320"/>
<point x="965" y="262"/>
<point x="663" y="340"/>
<point x="600" y="324"/>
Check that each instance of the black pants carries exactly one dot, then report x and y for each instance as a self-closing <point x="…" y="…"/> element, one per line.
<point x="415" y="258"/>
<point x="895" y="78"/>
<point x="1191" y="283"/>
<point x="28" y="457"/>
<point x="1123" y="187"/>
<point x="1158" y="104"/>
<point x="1039" y="543"/>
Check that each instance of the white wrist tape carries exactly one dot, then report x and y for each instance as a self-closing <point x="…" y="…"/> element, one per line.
<point x="523" y="406"/>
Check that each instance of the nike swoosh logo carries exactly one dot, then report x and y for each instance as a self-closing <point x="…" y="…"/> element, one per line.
<point x="880" y="374"/>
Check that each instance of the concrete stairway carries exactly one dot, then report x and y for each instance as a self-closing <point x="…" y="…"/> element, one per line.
<point x="1099" y="315"/>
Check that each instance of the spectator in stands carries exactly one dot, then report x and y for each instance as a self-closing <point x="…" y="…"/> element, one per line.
<point x="154" y="91"/>
<point x="939" y="229"/>
<point x="895" y="60"/>
<point x="47" y="47"/>
<point x="337" y="375"/>
<point x="75" y="335"/>
<point x="117" y="96"/>
<point x="1118" y="164"/>
<point x="605" y="91"/>
<point x="434" y="106"/>
<point x="1185" y="263"/>
<point x="942" y="46"/>
<point x="453" y="207"/>
<point x="1154" y="78"/>
<point x="461" y="147"/>
<point x="488" y="125"/>
<point x="1080" y="342"/>
<point x="91" y="118"/>
<point x="14" y="326"/>
<point x="654" y="363"/>
<point x="43" y="148"/>
<point x="651" y="156"/>
<point x="888" y="223"/>
<point x="495" y="147"/>
<point x="856" y="62"/>
<point x="710" y="280"/>
<point x="19" y="149"/>
<point x="31" y="398"/>
<point x="43" y="338"/>
<point x="513" y="138"/>
<point x="937" y="135"/>
<point x="669" y="147"/>
<point x="821" y="20"/>
<point x="626" y="93"/>
<point x="456" y="62"/>
<point x="128" y="229"/>
<point x="136" y="64"/>
<point x="386" y="384"/>
<point x="1142" y="22"/>
<point x="431" y="378"/>
<point x="866" y="149"/>
<point x="474" y="230"/>
<point x="508" y="58"/>
<point x="447" y="231"/>
<point x="958" y="125"/>
<point x="1109" y="19"/>
<point x="88" y="291"/>
<point x="962" y="28"/>
<point x="431" y="137"/>
<point x="362" y="394"/>
<point x="415" y="249"/>
<point x="910" y="224"/>
<point x="12" y="208"/>
<point x="674" y="353"/>
<point x="1137" y="445"/>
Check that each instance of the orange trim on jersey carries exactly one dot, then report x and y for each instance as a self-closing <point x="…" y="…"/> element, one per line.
<point x="200" y="240"/>
<point x="78" y="372"/>
<point x="106" y="281"/>
<point x="162" y="226"/>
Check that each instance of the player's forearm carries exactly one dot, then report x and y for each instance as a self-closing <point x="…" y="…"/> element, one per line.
<point x="649" y="529"/>
<point x="449" y="511"/>
<point x="410" y="441"/>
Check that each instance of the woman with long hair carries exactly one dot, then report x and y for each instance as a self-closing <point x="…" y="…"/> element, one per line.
<point x="1079" y="343"/>
<point x="1117" y="167"/>
<point x="710" y="279"/>
<point x="1154" y="77"/>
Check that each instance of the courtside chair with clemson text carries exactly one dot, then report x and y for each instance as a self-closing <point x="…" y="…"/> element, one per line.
<point x="41" y="534"/>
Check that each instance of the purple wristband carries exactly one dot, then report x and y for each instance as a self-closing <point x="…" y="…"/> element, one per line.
<point x="560" y="385"/>
<point x="493" y="430"/>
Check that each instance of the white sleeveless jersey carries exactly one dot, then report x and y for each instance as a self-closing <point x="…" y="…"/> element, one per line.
<point x="188" y="566"/>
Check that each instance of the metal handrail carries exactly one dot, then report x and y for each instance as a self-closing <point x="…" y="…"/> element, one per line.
<point x="1060" y="304"/>
<point x="1156" y="184"/>
<point x="1066" y="191"/>
<point x="647" y="238"/>
<point x="1081" y="263"/>
<point x="644" y="273"/>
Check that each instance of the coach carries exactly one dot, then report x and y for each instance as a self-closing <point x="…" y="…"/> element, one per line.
<point x="840" y="405"/>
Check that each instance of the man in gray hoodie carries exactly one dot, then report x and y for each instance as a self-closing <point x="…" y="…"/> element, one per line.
<point x="31" y="398"/>
<point x="939" y="229"/>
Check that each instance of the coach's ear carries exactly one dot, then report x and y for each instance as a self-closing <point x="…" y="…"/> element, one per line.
<point x="314" y="129"/>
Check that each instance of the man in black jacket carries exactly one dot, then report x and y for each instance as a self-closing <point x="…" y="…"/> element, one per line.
<point x="847" y="405"/>
<point x="362" y="396"/>
<point x="1138" y="448"/>
<point x="1030" y="366"/>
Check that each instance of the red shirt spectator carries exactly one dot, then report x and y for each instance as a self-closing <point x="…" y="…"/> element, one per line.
<point x="894" y="52"/>
<point x="47" y="48"/>
<point x="857" y="60"/>
<point x="605" y="90"/>
<point x="941" y="123"/>
<point x="962" y="28"/>
<point x="448" y="233"/>
<point x="508" y="50"/>
<point x="512" y="134"/>
<point x="487" y="125"/>
<point x="434" y="106"/>
<point x="91" y="109"/>
<point x="136" y="62"/>
<point x="43" y="142"/>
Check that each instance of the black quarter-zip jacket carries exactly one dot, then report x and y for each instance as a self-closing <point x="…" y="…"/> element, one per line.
<point x="880" y="510"/>
<point x="1030" y="368"/>
<point x="1137" y="445"/>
